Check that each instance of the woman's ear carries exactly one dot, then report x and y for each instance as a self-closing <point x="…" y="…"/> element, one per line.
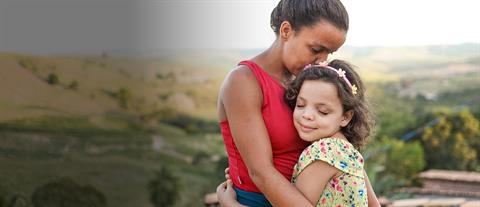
<point x="346" y="118"/>
<point x="286" y="30"/>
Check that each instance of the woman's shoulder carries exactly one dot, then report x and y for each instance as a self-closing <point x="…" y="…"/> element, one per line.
<point x="241" y="84"/>
<point x="240" y="73"/>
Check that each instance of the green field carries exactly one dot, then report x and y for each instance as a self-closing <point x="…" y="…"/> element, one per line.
<point x="111" y="122"/>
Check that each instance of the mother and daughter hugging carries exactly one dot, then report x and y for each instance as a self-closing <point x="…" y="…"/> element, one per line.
<point x="292" y="123"/>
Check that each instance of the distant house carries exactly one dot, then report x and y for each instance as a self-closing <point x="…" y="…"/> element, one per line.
<point x="444" y="188"/>
<point x="450" y="183"/>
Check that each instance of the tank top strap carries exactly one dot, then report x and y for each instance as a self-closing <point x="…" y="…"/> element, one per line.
<point x="266" y="82"/>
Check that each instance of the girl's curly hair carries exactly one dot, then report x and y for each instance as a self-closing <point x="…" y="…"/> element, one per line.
<point x="361" y="125"/>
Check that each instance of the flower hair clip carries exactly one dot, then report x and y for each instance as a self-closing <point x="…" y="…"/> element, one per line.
<point x="341" y="74"/>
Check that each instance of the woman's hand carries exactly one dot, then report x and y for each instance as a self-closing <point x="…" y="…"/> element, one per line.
<point x="227" y="176"/>
<point x="226" y="195"/>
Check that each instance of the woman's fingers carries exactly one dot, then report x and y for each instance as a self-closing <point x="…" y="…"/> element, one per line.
<point x="227" y="175"/>
<point x="221" y="188"/>
<point x="229" y="185"/>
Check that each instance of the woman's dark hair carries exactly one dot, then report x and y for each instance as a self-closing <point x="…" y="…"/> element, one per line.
<point x="300" y="13"/>
<point x="360" y="127"/>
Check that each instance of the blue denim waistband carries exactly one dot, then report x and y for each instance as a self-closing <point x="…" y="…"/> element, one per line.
<point x="251" y="198"/>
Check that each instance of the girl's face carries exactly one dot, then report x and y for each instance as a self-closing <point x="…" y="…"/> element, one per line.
<point x="309" y="45"/>
<point x="318" y="112"/>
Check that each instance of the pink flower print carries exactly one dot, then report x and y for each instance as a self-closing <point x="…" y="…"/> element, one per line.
<point x="322" y="143"/>
<point x="345" y="146"/>
<point x="338" y="153"/>
<point x="338" y="205"/>
<point x="333" y="183"/>
<point x="354" y="183"/>
<point x="324" y="200"/>
<point x="361" y="160"/>
<point x="339" y="188"/>
<point x="307" y="152"/>
<point x="323" y="150"/>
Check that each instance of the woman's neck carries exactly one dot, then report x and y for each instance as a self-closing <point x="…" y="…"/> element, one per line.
<point x="271" y="61"/>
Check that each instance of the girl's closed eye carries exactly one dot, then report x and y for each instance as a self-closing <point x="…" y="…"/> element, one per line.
<point x="323" y="113"/>
<point x="299" y="105"/>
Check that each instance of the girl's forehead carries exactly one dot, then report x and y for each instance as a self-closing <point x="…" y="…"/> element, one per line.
<point x="319" y="92"/>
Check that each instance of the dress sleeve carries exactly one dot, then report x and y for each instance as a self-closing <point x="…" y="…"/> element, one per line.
<point x="335" y="152"/>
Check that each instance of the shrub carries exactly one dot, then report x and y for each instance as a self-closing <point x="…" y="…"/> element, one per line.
<point x="65" y="192"/>
<point x="163" y="188"/>
<point x="52" y="79"/>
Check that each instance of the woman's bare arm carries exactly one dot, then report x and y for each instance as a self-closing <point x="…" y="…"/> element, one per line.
<point x="241" y="97"/>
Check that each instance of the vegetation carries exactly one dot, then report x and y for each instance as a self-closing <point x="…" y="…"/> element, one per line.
<point x="52" y="79"/>
<point x="138" y="134"/>
<point x="66" y="192"/>
<point x="164" y="188"/>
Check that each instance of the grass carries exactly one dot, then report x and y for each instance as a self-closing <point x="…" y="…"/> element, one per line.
<point x="117" y="161"/>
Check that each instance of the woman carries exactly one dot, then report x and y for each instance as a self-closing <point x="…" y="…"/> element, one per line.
<point x="257" y="127"/>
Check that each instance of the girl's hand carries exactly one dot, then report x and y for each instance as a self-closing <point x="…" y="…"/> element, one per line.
<point x="226" y="195"/>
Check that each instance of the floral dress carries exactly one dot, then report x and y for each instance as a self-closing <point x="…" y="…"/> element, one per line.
<point x="345" y="190"/>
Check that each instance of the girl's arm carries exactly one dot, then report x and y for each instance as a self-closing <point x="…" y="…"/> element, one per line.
<point x="313" y="179"/>
<point x="372" y="198"/>
<point x="241" y="98"/>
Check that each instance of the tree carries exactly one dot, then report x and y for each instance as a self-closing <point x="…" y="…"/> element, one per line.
<point x="453" y="142"/>
<point x="404" y="160"/>
<point x="163" y="188"/>
<point x="124" y="97"/>
<point x="66" y="192"/>
<point x="52" y="79"/>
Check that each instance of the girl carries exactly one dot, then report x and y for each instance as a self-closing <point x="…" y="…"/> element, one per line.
<point x="256" y="124"/>
<point x="331" y="113"/>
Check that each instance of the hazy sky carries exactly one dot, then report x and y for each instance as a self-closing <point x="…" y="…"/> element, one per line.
<point x="59" y="26"/>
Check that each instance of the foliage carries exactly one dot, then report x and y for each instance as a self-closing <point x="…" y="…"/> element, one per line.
<point x="404" y="160"/>
<point x="52" y="79"/>
<point x="66" y="192"/>
<point x="124" y="97"/>
<point x="27" y="64"/>
<point x="190" y="124"/>
<point x="73" y="85"/>
<point x="164" y="188"/>
<point x="392" y="163"/>
<point x="453" y="142"/>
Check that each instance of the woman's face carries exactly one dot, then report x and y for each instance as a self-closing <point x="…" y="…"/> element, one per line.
<point x="309" y="45"/>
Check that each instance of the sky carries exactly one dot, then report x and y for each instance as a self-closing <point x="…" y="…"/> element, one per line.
<point x="84" y="26"/>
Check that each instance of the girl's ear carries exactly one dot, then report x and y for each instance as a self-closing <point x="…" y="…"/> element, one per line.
<point x="286" y="30"/>
<point x="347" y="116"/>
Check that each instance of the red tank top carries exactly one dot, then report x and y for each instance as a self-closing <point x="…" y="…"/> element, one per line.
<point x="286" y="144"/>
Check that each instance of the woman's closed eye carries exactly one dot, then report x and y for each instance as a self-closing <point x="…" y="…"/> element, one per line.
<point x="317" y="50"/>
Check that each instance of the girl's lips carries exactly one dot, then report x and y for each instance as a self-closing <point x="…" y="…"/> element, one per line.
<point x="306" y="128"/>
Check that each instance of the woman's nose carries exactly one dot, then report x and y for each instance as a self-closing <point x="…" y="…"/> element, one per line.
<point x="320" y="58"/>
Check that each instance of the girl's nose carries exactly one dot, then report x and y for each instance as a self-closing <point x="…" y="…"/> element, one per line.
<point x="307" y="116"/>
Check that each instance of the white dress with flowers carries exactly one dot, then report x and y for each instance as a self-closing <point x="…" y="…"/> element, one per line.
<point x="345" y="190"/>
